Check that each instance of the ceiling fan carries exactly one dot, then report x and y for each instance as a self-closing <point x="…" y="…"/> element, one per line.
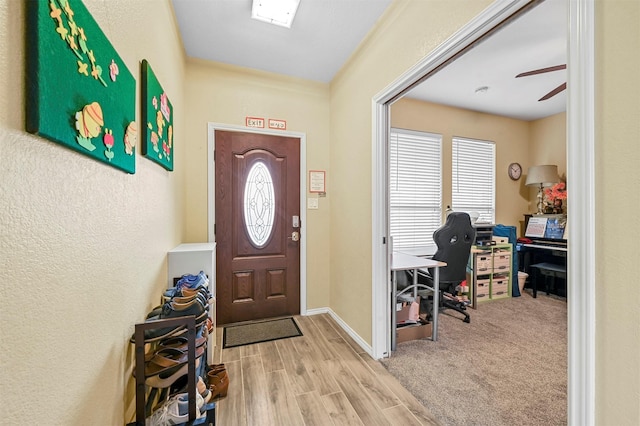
<point x="555" y="91"/>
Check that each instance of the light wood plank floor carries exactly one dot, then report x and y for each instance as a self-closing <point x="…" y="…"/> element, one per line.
<point x="320" y="378"/>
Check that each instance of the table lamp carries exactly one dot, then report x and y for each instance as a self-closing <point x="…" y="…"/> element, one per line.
<point x="542" y="176"/>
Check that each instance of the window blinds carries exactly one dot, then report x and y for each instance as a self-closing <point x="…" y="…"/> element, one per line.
<point x="415" y="193"/>
<point x="473" y="177"/>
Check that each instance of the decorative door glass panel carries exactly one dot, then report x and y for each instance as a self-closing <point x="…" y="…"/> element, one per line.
<point x="259" y="204"/>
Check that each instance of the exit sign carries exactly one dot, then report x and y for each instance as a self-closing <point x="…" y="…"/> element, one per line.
<point x="254" y="122"/>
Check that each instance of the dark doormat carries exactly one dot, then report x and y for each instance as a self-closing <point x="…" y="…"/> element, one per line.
<point x="262" y="331"/>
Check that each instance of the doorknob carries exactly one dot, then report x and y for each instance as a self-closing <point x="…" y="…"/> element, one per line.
<point x="295" y="236"/>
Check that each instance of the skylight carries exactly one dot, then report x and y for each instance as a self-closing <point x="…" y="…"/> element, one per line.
<point x="276" y="12"/>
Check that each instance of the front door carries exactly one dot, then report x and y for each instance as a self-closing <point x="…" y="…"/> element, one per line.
<point x="257" y="225"/>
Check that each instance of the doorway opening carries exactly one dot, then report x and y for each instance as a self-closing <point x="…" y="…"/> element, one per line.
<point x="580" y="171"/>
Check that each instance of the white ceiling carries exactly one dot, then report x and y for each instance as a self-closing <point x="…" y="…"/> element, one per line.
<point x="323" y="35"/>
<point x="536" y="39"/>
<point x="326" y="32"/>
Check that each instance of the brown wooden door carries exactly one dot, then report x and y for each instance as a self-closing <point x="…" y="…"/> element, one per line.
<point x="257" y="255"/>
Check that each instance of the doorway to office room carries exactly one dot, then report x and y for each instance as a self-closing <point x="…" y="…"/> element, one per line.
<point x="256" y="219"/>
<point x="580" y="144"/>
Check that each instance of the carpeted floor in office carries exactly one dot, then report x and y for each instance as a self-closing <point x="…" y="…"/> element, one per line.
<point x="507" y="367"/>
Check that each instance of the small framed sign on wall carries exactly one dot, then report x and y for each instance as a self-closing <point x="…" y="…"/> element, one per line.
<point x="317" y="182"/>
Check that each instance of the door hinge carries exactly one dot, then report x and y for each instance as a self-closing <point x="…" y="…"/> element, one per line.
<point x="214" y="229"/>
<point x="384" y="240"/>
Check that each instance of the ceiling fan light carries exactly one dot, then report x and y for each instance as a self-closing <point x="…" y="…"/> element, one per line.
<point x="276" y="12"/>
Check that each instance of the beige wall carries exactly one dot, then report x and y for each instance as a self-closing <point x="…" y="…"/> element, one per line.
<point x="410" y="30"/>
<point x="617" y="178"/>
<point x="512" y="139"/>
<point x="227" y="94"/>
<point x="82" y="245"/>
<point x="549" y="146"/>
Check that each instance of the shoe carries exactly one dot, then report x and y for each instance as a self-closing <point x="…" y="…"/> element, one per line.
<point x="164" y="310"/>
<point x="209" y="325"/>
<point x="167" y="360"/>
<point x="170" y="375"/>
<point x="175" y="411"/>
<point x="205" y="300"/>
<point x="203" y="390"/>
<point x="180" y="343"/>
<point x="186" y="292"/>
<point x="218" y="384"/>
<point x="216" y="368"/>
<point x="193" y="281"/>
<point x="172" y="310"/>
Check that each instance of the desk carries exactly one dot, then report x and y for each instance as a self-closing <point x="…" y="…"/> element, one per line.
<point x="403" y="262"/>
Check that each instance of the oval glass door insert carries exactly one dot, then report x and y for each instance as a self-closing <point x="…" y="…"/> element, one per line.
<point x="259" y="204"/>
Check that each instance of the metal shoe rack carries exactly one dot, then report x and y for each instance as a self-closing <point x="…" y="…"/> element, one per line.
<point x="190" y="323"/>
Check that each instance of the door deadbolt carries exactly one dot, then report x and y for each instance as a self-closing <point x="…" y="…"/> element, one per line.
<point x="295" y="236"/>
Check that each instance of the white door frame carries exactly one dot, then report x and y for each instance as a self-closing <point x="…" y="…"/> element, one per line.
<point x="211" y="191"/>
<point x="580" y="173"/>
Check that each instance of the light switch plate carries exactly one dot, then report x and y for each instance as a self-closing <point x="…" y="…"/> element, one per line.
<point x="312" y="203"/>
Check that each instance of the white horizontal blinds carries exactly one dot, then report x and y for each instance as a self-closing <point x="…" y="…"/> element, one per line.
<point x="473" y="177"/>
<point x="415" y="187"/>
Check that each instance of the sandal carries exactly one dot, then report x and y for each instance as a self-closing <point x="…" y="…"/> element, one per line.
<point x="176" y="342"/>
<point x="166" y="361"/>
<point x="166" y="379"/>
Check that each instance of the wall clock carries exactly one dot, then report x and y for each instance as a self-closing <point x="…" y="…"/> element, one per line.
<point x="515" y="171"/>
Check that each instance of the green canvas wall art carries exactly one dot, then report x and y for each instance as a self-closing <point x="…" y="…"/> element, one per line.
<point x="80" y="93"/>
<point x="157" y="116"/>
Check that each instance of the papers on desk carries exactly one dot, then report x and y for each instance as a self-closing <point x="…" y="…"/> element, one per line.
<point x="547" y="227"/>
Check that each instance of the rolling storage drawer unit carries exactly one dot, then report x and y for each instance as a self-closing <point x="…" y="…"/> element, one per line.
<point x="489" y="272"/>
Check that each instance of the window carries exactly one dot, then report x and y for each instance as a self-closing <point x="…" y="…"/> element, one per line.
<point x="473" y="177"/>
<point x="415" y="193"/>
<point x="259" y="204"/>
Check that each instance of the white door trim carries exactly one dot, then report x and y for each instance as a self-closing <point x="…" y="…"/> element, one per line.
<point x="211" y="195"/>
<point x="580" y="172"/>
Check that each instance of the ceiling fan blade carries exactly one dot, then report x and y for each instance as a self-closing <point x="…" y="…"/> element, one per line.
<point x="542" y="70"/>
<point x="553" y="92"/>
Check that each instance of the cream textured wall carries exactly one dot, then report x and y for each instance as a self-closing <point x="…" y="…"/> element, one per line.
<point x="512" y="139"/>
<point x="549" y="142"/>
<point x="549" y="146"/>
<point x="409" y="31"/>
<point x="617" y="205"/>
<point x="227" y="94"/>
<point x="82" y="245"/>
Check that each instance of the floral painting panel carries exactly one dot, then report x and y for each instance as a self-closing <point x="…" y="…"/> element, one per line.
<point x="157" y="116"/>
<point x="80" y="93"/>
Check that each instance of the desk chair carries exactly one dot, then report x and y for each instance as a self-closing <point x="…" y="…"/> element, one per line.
<point x="453" y="240"/>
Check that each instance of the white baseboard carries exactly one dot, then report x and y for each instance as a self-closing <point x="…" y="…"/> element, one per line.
<point x="355" y="336"/>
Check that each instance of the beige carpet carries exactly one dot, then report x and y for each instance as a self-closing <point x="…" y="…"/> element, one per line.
<point x="259" y="331"/>
<point x="507" y="367"/>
